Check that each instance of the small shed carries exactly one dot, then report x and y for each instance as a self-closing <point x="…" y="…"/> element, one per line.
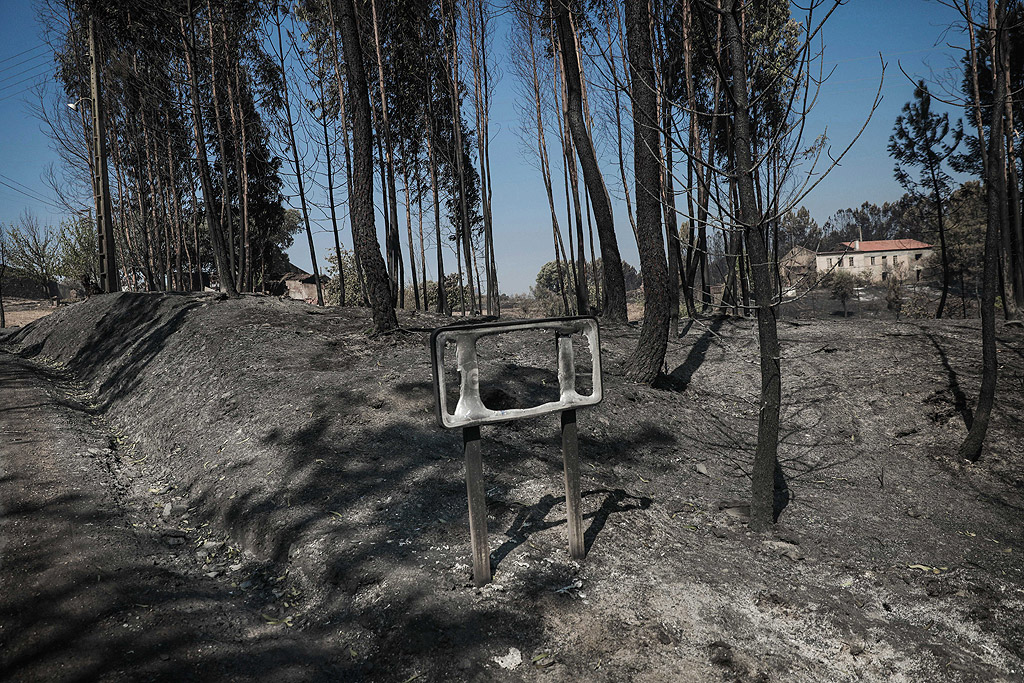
<point x="298" y="285"/>
<point x="796" y="268"/>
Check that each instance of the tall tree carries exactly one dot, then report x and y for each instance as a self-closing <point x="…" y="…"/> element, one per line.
<point x="289" y="125"/>
<point x="920" y="139"/>
<point x="645" y="363"/>
<point x="751" y="222"/>
<point x="361" y="201"/>
<point x="614" y="291"/>
<point x="995" y="192"/>
<point x="214" y="227"/>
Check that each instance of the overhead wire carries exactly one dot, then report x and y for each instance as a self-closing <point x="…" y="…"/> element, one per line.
<point x="41" y="55"/>
<point x="39" y="71"/>
<point x="32" y="196"/>
<point x="19" y="92"/>
<point x="14" y="56"/>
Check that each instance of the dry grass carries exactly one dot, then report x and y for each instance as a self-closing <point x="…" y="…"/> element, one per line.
<point x="20" y="312"/>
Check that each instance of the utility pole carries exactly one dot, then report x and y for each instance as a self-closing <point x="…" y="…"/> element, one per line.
<point x="109" y="279"/>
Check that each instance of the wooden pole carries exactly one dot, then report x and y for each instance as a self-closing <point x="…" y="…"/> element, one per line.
<point x="109" y="279"/>
<point x="477" y="506"/>
<point x="573" y="504"/>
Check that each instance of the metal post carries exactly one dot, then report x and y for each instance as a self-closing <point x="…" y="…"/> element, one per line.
<point x="109" y="279"/>
<point x="477" y="506"/>
<point x="573" y="504"/>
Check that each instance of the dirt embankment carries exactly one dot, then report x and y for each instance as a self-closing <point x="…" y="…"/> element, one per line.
<point x="312" y="449"/>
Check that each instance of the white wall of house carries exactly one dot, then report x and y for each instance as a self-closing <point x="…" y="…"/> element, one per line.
<point x="911" y="264"/>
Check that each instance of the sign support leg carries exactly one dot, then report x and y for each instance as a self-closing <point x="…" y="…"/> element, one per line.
<point x="477" y="506"/>
<point x="573" y="504"/>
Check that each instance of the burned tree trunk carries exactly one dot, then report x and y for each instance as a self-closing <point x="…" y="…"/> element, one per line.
<point x="361" y="199"/>
<point x="995" y="166"/>
<point x="614" y="304"/>
<point x="646" y="361"/>
<point x="765" y="457"/>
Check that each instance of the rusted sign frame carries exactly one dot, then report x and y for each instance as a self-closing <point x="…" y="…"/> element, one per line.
<point x="470" y="414"/>
<point x="470" y="409"/>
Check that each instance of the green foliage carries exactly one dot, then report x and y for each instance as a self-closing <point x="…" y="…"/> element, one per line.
<point x="548" y="279"/>
<point x="965" y="234"/>
<point x="77" y="256"/>
<point x="919" y="139"/>
<point x="32" y="248"/>
<point x="332" y="288"/>
<point x="798" y="228"/>
<point x="841" y="286"/>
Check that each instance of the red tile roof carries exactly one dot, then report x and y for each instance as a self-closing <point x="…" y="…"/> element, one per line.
<point x="886" y="245"/>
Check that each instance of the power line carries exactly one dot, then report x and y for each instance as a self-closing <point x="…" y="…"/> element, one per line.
<point x="22" y="73"/>
<point x="32" y="77"/>
<point x="26" y="194"/>
<point x="41" y="55"/>
<point x="12" y="180"/>
<point x="15" y="94"/>
<point x="7" y="59"/>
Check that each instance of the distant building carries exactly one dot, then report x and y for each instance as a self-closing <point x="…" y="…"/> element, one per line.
<point x="879" y="259"/>
<point x="300" y="286"/>
<point x="796" y="268"/>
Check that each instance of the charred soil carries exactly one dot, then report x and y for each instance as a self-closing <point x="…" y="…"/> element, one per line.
<point x="278" y="470"/>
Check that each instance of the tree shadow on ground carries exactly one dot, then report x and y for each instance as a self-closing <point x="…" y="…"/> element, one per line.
<point x="87" y="593"/>
<point x="680" y="378"/>
<point x="533" y="518"/>
<point x="960" y="402"/>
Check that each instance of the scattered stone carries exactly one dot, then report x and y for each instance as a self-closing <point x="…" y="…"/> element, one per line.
<point x="211" y="546"/>
<point x="510" y="661"/>
<point x="979" y="613"/>
<point x="664" y="638"/>
<point x="166" y="511"/>
<point x="701" y="468"/>
<point x="173" y="540"/>
<point x="235" y="567"/>
<point x="736" y="510"/>
<point x="720" y="653"/>
<point x="856" y="649"/>
<point x="784" y="549"/>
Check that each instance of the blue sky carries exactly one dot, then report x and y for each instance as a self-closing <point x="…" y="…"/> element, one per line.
<point x="913" y="32"/>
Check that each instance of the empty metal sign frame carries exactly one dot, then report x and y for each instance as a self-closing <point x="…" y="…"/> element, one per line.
<point x="470" y="413"/>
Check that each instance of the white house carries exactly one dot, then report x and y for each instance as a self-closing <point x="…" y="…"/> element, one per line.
<point x="878" y="258"/>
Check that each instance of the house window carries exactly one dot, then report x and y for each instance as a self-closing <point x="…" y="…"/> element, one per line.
<point x="872" y="260"/>
<point x="885" y="274"/>
<point x="917" y="257"/>
<point x="883" y="259"/>
<point x="830" y="263"/>
<point x="851" y="260"/>
<point x="894" y="257"/>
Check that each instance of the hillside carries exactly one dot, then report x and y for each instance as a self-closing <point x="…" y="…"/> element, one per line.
<point x="311" y="450"/>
